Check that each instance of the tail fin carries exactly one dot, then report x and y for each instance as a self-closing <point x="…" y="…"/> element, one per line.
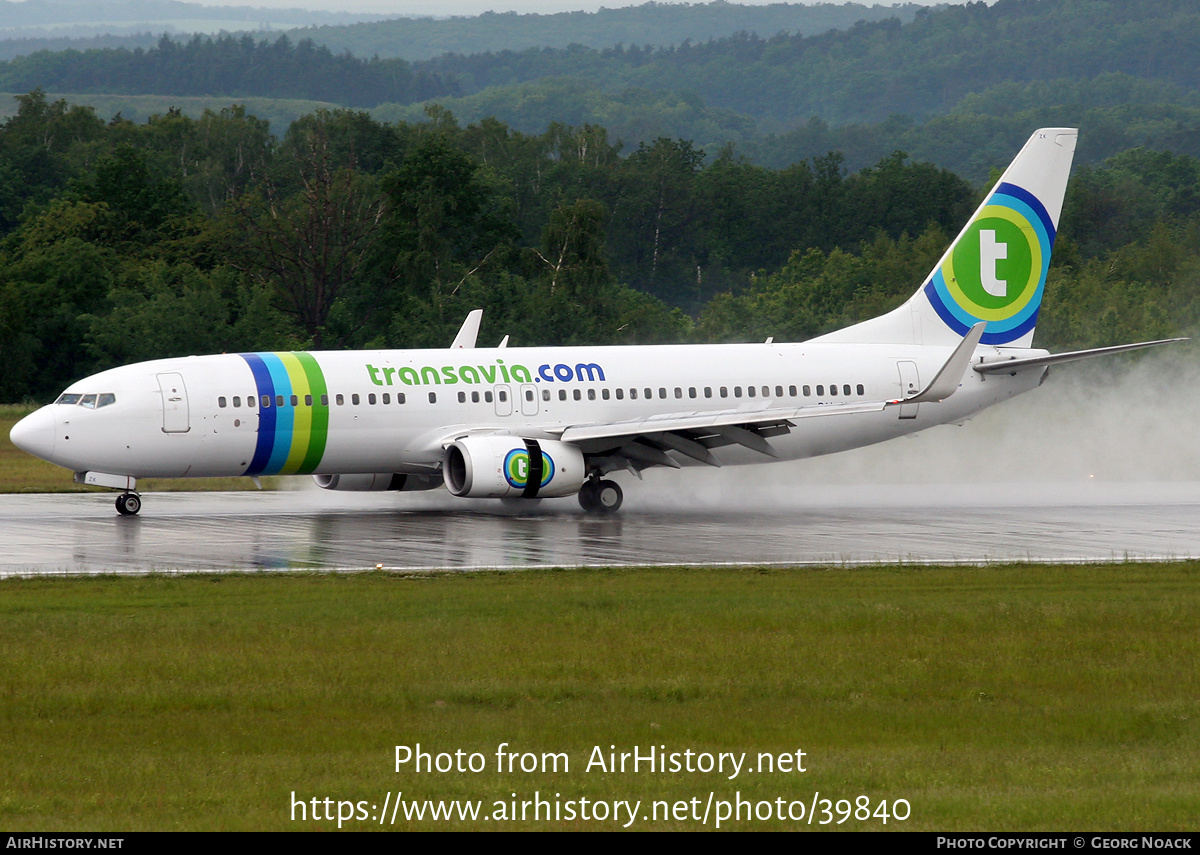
<point x="995" y="270"/>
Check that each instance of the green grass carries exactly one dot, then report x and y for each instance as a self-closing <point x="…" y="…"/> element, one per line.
<point x="24" y="473"/>
<point x="1026" y="697"/>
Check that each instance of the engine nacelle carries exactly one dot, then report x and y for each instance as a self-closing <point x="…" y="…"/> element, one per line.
<point x="379" y="481"/>
<point x="498" y="466"/>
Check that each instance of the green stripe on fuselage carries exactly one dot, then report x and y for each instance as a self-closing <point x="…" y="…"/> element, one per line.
<point x="318" y="425"/>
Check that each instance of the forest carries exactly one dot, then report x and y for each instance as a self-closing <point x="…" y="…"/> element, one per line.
<point x="122" y="241"/>
<point x="956" y="86"/>
<point x="359" y="226"/>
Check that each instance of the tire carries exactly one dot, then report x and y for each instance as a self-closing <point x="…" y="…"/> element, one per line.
<point x="609" y="497"/>
<point x="128" y="504"/>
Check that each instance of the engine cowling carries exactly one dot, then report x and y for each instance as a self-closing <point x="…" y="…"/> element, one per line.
<point x="360" y="483"/>
<point x="497" y="466"/>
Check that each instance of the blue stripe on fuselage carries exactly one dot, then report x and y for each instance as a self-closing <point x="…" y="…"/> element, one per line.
<point x="266" y="415"/>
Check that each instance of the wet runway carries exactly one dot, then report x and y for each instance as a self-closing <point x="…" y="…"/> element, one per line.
<point x="820" y="525"/>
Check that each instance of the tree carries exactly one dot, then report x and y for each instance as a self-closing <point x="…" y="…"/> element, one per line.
<point x="309" y="247"/>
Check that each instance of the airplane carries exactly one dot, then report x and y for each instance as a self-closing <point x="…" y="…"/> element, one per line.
<point x="543" y="422"/>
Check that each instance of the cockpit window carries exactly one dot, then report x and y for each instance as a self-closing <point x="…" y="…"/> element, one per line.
<point x="92" y="402"/>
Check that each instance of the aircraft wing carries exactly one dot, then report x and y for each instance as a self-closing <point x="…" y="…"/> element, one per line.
<point x="1013" y="365"/>
<point x="638" y="443"/>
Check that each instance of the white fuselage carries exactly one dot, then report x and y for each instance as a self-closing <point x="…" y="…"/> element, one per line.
<point x="394" y="410"/>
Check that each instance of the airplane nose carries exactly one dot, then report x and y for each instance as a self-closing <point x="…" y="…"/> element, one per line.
<point x="35" y="433"/>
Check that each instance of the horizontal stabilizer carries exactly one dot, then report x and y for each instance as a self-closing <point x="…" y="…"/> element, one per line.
<point x="1012" y="366"/>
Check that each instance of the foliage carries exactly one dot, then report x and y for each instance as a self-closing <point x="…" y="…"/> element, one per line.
<point x="131" y="241"/>
<point x="228" y="64"/>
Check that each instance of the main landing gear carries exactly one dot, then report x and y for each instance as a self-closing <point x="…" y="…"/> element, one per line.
<point x="128" y="504"/>
<point x="596" y="496"/>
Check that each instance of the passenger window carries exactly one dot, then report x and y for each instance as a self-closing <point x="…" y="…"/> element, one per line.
<point x="371" y="399"/>
<point x="737" y="391"/>
<point x="792" y="391"/>
<point x="750" y="391"/>
<point x="778" y="391"/>
<point x="562" y="394"/>
<point x="296" y="401"/>
<point x="221" y="402"/>
<point x="324" y="400"/>
<point x="308" y="400"/>
<point x="662" y="392"/>
<point x="387" y="398"/>
<point x="678" y="392"/>
<point x="474" y="397"/>
<point x="266" y="402"/>
<point x="860" y="389"/>
<point x="237" y="400"/>
<point x="691" y="391"/>
<point x="354" y="399"/>
<point x="528" y="394"/>
<point x="503" y="395"/>
<point x="649" y="394"/>
<point x="604" y="394"/>
<point x="820" y="391"/>
<point x="620" y="394"/>
<point x="251" y="401"/>
<point x="807" y="391"/>
<point x="591" y="394"/>
<point x="545" y="395"/>
<point x="487" y="396"/>
<point x="846" y="390"/>
<point x="279" y="400"/>
<point x="576" y="395"/>
<point x="341" y="401"/>
<point x="400" y="398"/>
<point x="433" y="397"/>
<point x="708" y="391"/>
<point x="833" y="390"/>
<point x="633" y="394"/>
<point x="462" y="397"/>
<point x="724" y="391"/>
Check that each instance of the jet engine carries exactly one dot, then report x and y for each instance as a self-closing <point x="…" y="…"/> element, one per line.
<point x="378" y="481"/>
<point x="496" y="466"/>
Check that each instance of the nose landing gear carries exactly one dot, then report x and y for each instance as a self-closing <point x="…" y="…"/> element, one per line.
<point x="603" y="497"/>
<point x="128" y="504"/>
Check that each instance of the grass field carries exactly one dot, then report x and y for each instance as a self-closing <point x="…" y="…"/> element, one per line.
<point x="1021" y="697"/>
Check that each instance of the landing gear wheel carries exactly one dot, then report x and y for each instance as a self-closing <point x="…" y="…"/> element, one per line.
<point x="129" y="504"/>
<point x="609" y="496"/>
<point x="588" y="498"/>
<point x="602" y="497"/>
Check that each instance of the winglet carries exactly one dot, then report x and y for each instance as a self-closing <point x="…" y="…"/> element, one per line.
<point x="469" y="331"/>
<point x="951" y="374"/>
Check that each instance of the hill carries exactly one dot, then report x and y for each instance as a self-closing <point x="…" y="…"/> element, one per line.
<point x="656" y="24"/>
